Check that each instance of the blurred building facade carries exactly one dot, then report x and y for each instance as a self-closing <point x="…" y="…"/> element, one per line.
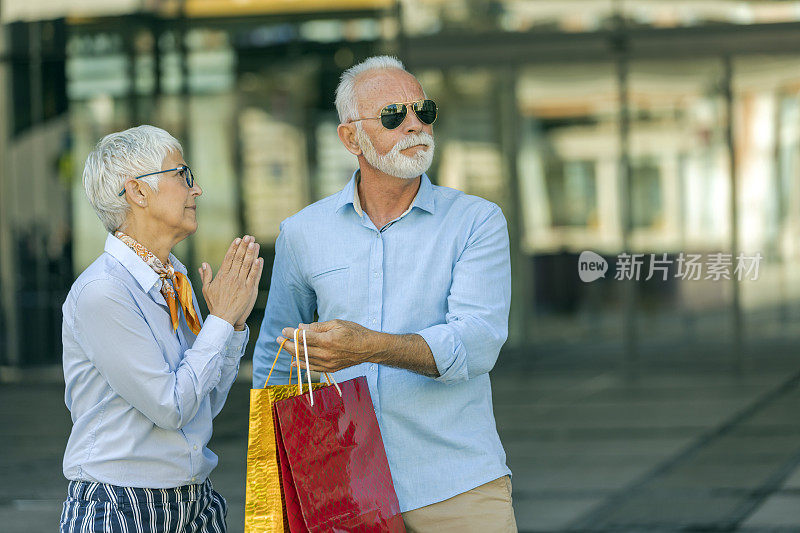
<point x="646" y="127"/>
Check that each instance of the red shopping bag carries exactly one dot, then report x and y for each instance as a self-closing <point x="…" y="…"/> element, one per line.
<point x="334" y="469"/>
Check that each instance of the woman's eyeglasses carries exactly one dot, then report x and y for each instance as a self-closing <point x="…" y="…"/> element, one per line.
<point x="184" y="171"/>
<point x="393" y="115"/>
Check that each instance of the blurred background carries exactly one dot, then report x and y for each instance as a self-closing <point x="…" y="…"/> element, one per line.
<point x="646" y="127"/>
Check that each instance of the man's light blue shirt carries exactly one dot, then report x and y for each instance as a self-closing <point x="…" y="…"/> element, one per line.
<point x="441" y="270"/>
<point x="141" y="394"/>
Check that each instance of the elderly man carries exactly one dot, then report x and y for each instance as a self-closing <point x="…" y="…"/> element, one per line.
<point x="411" y="282"/>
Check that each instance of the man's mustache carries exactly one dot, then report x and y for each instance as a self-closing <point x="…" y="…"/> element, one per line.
<point x="418" y="139"/>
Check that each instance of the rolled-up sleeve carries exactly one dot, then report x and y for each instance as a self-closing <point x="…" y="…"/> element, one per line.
<point x="476" y="327"/>
<point x="118" y="341"/>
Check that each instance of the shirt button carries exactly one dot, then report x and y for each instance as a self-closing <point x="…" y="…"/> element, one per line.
<point x="373" y="367"/>
<point x="376" y="274"/>
<point x="194" y="479"/>
<point x="374" y="321"/>
<point x="195" y="446"/>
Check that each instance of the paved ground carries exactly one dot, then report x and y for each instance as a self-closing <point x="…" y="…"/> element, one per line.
<point x="682" y="440"/>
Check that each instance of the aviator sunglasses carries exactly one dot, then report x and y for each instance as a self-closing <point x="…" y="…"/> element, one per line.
<point x="184" y="171"/>
<point x="393" y="115"/>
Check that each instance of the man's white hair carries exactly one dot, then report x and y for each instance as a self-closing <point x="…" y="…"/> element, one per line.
<point x="119" y="157"/>
<point x="346" y="102"/>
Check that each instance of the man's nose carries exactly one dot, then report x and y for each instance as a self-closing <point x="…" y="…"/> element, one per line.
<point x="412" y="123"/>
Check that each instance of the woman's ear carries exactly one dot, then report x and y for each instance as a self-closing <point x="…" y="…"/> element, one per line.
<point x="135" y="193"/>
<point x="347" y="134"/>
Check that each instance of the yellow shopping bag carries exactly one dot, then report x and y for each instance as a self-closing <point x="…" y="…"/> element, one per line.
<point x="265" y="508"/>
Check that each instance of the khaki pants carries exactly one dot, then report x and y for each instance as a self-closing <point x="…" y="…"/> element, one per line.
<point x="484" y="509"/>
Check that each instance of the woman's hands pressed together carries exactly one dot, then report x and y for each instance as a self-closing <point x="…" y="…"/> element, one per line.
<point x="231" y="294"/>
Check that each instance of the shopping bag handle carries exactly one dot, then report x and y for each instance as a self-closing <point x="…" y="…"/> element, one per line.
<point x="308" y="369"/>
<point x="280" y="348"/>
<point x="328" y="377"/>
<point x="291" y="368"/>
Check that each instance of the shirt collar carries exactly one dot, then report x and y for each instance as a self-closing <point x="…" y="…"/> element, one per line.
<point x="145" y="276"/>
<point x="424" y="198"/>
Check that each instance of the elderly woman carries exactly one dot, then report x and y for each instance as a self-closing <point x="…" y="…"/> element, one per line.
<point x="145" y="375"/>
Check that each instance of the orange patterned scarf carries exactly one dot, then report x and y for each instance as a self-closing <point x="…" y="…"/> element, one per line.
<point x="166" y="273"/>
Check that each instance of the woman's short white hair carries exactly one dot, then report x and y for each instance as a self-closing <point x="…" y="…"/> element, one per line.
<point x="119" y="157"/>
<point x="346" y="102"/>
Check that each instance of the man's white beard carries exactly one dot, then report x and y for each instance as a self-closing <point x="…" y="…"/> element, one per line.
<point x="393" y="162"/>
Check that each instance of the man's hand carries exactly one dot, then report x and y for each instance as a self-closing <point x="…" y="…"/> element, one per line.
<point x="338" y="344"/>
<point x="332" y="345"/>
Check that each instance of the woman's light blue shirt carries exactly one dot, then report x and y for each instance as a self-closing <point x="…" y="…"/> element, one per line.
<point x="141" y="395"/>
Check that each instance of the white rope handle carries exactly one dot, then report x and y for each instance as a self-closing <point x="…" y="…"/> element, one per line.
<point x="297" y="359"/>
<point x="330" y="379"/>
<point x="308" y="369"/>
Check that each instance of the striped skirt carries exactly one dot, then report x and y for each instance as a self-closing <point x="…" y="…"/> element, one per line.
<point x="98" y="507"/>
